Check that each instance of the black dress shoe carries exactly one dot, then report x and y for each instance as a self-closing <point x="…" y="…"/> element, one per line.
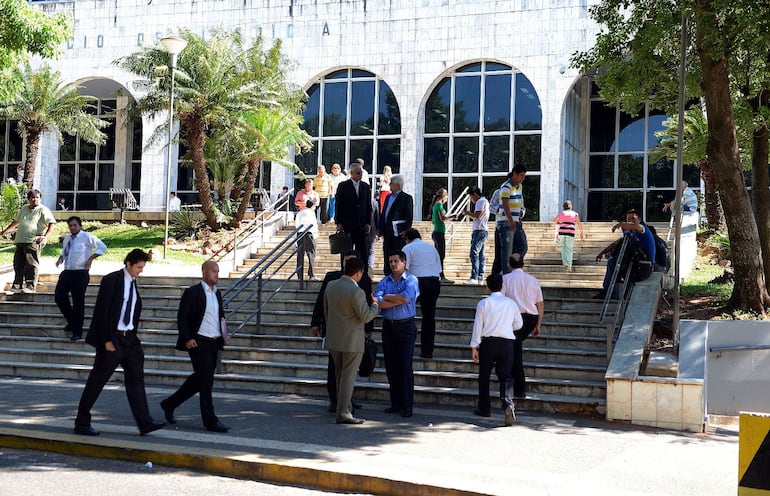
<point x="407" y="412"/>
<point x="481" y="414"/>
<point x="76" y="337"/>
<point x="393" y="409"/>
<point x="151" y="428"/>
<point x="168" y="412"/>
<point x="217" y="427"/>
<point x="86" y="430"/>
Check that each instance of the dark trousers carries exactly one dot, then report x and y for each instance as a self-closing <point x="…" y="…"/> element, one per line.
<point x="75" y="283"/>
<point x="398" y="348"/>
<point x="519" y="381"/>
<point x="439" y="242"/>
<point x="358" y="242"/>
<point x="26" y="261"/>
<point x="390" y="243"/>
<point x="497" y="353"/>
<point x="497" y="267"/>
<point x="306" y="246"/>
<point x="130" y="356"/>
<point x="430" y="289"/>
<point x="324" y="210"/>
<point x="204" y="363"/>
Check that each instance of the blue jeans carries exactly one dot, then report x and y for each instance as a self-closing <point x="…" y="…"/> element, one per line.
<point x="478" y="239"/>
<point x="511" y="242"/>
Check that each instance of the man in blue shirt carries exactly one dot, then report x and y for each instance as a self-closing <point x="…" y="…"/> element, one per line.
<point x="397" y="298"/>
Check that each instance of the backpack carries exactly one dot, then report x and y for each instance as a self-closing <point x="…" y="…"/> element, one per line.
<point x="494" y="202"/>
<point x="662" y="252"/>
<point x="633" y="256"/>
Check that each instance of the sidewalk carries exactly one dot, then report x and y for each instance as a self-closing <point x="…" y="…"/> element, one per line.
<point x="293" y="440"/>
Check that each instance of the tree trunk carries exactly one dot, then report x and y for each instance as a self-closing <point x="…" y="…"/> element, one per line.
<point x="749" y="292"/>
<point x="196" y="138"/>
<point x="31" y="150"/>
<point x="761" y="182"/>
<point x="248" y="187"/>
<point x="715" y="217"/>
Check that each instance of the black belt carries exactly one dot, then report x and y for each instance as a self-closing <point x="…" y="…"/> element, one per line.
<point x="206" y="338"/>
<point x="399" y="321"/>
<point x="428" y="277"/>
<point x="126" y="333"/>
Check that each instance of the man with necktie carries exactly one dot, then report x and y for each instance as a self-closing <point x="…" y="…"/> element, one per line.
<point x="353" y="210"/>
<point x="79" y="250"/>
<point x="395" y="219"/>
<point x="113" y="333"/>
<point x="200" y="320"/>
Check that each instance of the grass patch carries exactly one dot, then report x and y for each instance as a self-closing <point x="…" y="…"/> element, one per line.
<point x="697" y="282"/>
<point x="120" y="239"/>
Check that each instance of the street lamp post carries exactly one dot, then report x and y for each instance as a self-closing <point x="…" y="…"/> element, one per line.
<point x="173" y="46"/>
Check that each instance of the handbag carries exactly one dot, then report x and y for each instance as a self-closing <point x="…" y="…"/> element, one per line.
<point x="369" y="360"/>
<point x="339" y="242"/>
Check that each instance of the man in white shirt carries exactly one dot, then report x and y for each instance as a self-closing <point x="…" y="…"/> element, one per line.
<point x="423" y="262"/>
<point x="201" y="322"/>
<point x="79" y="249"/>
<point x="480" y="216"/>
<point x="306" y="246"/>
<point x="174" y="203"/>
<point x="525" y="290"/>
<point x="492" y="344"/>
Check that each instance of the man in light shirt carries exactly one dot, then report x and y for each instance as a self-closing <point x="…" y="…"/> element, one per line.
<point x="423" y="262"/>
<point x="480" y="216"/>
<point x="492" y="341"/>
<point x="525" y="290"/>
<point x="174" y="203"/>
<point x="79" y="249"/>
<point x="201" y="321"/>
<point x="306" y="245"/>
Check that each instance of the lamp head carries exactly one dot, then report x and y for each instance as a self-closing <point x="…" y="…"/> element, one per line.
<point x="173" y="45"/>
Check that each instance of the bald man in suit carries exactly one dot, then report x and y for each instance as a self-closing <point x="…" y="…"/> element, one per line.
<point x="347" y="311"/>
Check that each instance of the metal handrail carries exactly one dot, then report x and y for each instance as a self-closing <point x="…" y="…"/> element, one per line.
<point x="623" y="294"/>
<point x="719" y="349"/>
<point x="264" y="271"/>
<point x="458" y="207"/>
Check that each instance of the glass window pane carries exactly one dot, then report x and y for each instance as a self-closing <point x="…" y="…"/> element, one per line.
<point x="360" y="73"/>
<point x="331" y="151"/>
<point x="691" y="174"/>
<point x="601" y="170"/>
<point x="15" y="143"/>
<point x="436" y="155"/>
<point x="106" y="175"/>
<point x="337" y="74"/>
<point x="108" y="106"/>
<point x="529" y="115"/>
<point x="494" y="66"/>
<point x="631" y="137"/>
<point x="437" y="108"/>
<point x="602" y="127"/>
<point x="312" y="107"/>
<point x="136" y="175"/>
<point x="93" y="201"/>
<point x="3" y="158"/>
<point x="655" y="201"/>
<point x="86" y="176"/>
<point x="490" y="183"/>
<point x="460" y="183"/>
<point x="661" y="174"/>
<point x="466" y="104"/>
<point x="308" y="161"/>
<point x="185" y="178"/>
<point x="362" y="108"/>
<point x="136" y="145"/>
<point x="66" y="177"/>
<point x="466" y="155"/>
<point x="497" y="103"/>
<point x="497" y="153"/>
<point x="630" y="171"/>
<point x="335" y="109"/>
<point x="471" y="68"/>
<point x="389" y="153"/>
<point x="362" y="149"/>
<point x="526" y="151"/>
<point x="611" y="205"/>
<point x="655" y="125"/>
<point x="107" y="150"/>
<point x="87" y="150"/>
<point x="67" y="150"/>
<point x="429" y="187"/>
<point x="389" y="114"/>
<point x="531" y="197"/>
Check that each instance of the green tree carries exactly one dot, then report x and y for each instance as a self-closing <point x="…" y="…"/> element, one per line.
<point x="44" y="104"/>
<point x="218" y="81"/>
<point x="636" y="59"/>
<point x="25" y="29"/>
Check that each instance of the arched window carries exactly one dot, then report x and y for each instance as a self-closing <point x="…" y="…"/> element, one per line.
<point x="350" y="114"/>
<point x="479" y="122"/>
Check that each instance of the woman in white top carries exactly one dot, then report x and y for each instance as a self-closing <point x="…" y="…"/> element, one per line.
<point x="383" y="184"/>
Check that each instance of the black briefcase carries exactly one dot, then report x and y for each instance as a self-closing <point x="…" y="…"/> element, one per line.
<point x="339" y="242"/>
<point x="369" y="360"/>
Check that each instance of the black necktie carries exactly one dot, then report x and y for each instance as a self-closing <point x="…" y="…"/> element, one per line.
<point x="129" y="303"/>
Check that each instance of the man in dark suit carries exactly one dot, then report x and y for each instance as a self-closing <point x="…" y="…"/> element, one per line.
<point x="200" y="320"/>
<point x="318" y="323"/>
<point x="353" y="209"/>
<point x="113" y="333"/>
<point x="396" y="218"/>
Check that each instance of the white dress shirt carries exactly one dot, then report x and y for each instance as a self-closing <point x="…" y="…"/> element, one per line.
<point x="496" y="316"/>
<point x="524" y="289"/>
<point x="210" y="325"/>
<point x="422" y="259"/>
<point x="79" y="249"/>
<point x="127" y="287"/>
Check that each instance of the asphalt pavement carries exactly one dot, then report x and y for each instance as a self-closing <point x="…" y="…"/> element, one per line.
<point x="293" y="440"/>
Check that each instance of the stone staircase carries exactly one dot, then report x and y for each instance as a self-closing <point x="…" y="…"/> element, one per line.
<point x="565" y="365"/>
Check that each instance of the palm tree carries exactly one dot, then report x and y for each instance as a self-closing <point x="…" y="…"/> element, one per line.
<point x="43" y="103"/>
<point x="218" y="82"/>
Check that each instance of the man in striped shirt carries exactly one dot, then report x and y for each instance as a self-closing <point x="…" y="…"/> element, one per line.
<point x="512" y="238"/>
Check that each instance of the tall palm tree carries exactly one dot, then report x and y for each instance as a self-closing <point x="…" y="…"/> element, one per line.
<point x="44" y="104"/>
<point x="218" y="81"/>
